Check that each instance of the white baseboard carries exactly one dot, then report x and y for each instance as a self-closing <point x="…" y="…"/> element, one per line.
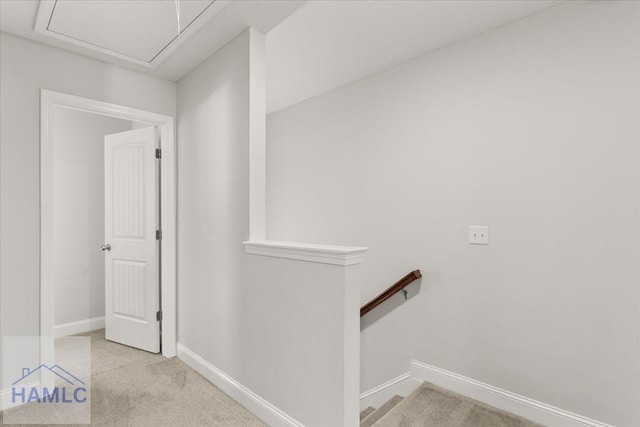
<point x="402" y="385"/>
<point x="78" y="327"/>
<point x="254" y="403"/>
<point x="502" y="399"/>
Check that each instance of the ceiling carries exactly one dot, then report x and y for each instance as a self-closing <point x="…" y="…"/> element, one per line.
<point x="116" y="26"/>
<point x="312" y="47"/>
<point x="142" y="34"/>
<point x="327" y="44"/>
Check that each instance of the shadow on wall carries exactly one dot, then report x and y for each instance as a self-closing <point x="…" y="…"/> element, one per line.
<point x="391" y="304"/>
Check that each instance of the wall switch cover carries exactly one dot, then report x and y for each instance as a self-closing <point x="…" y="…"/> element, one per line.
<point x="478" y="235"/>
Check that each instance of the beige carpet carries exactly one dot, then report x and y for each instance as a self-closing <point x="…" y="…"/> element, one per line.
<point x="431" y="406"/>
<point x="372" y="418"/>
<point x="131" y="387"/>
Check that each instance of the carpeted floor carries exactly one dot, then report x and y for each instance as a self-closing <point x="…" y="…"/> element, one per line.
<point x="131" y="387"/>
<point x="431" y="406"/>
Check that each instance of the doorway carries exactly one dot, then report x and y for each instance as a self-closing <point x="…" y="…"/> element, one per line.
<point x="160" y="129"/>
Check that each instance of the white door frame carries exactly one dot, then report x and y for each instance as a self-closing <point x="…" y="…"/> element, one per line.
<point x="49" y="100"/>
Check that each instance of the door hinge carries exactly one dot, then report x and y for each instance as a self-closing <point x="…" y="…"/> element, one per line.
<point x="159" y="316"/>
<point x="158" y="153"/>
<point x="158" y="234"/>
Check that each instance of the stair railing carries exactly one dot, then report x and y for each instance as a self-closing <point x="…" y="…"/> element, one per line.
<point x="400" y="285"/>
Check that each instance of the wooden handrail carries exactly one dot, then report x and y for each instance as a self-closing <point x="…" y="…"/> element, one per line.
<point x="391" y="290"/>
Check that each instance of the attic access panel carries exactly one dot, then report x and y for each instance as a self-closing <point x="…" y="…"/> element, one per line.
<point x="141" y="31"/>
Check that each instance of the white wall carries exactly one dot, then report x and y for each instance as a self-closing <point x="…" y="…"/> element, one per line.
<point x="213" y="207"/>
<point x="531" y="129"/>
<point x="274" y="326"/>
<point x="25" y="68"/>
<point x="296" y="340"/>
<point x="368" y="36"/>
<point x="78" y="212"/>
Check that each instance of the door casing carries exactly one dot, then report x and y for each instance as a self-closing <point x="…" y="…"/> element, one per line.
<point x="49" y="101"/>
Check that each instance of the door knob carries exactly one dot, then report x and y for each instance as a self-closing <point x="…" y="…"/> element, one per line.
<point x="106" y="247"/>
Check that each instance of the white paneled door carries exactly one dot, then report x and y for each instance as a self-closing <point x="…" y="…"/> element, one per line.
<point x="131" y="248"/>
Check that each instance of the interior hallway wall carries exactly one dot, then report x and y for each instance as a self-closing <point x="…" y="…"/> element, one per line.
<point x="78" y="212"/>
<point x="532" y="129"/>
<point x="213" y="208"/>
<point x="272" y="325"/>
<point x="25" y="68"/>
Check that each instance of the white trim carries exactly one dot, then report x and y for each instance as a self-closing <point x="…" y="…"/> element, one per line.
<point x="325" y="254"/>
<point x="79" y="327"/>
<point x="46" y="7"/>
<point x="48" y="101"/>
<point x="502" y="399"/>
<point x="254" y="403"/>
<point x="402" y="385"/>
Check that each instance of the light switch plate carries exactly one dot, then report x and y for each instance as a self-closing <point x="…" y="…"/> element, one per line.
<point x="478" y="235"/>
